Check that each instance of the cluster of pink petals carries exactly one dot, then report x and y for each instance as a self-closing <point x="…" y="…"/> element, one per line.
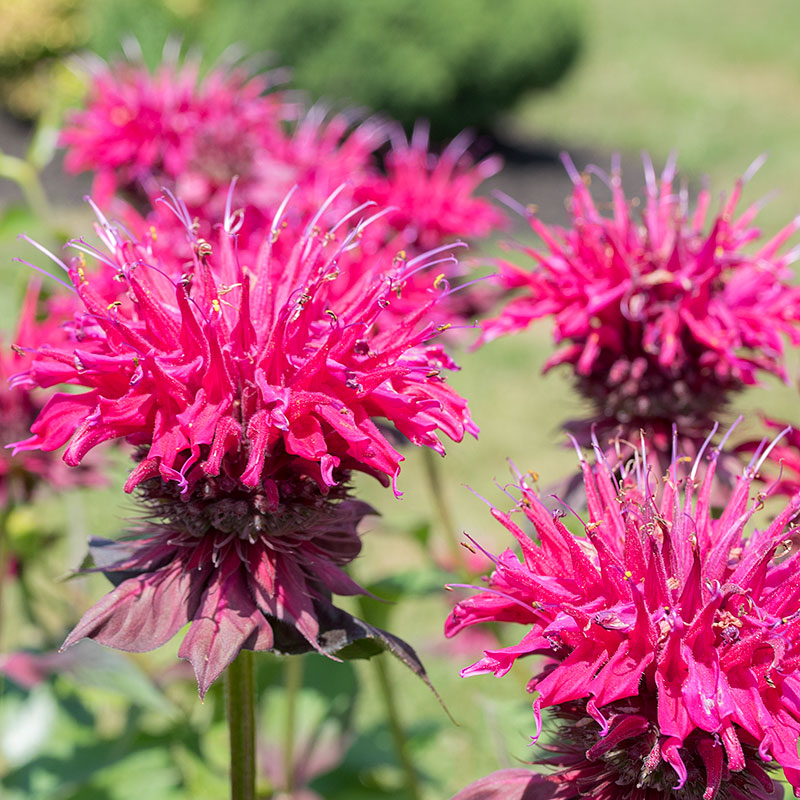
<point x="664" y="621"/>
<point x="143" y="132"/>
<point x="208" y="363"/>
<point x="660" y="317"/>
<point x="19" y="407"/>
<point x="142" y="128"/>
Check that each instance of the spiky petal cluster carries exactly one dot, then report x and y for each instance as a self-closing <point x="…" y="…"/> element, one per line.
<point x="19" y="407"/>
<point x="665" y="623"/>
<point x="141" y="130"/>
<point x="662" y="317"/>
<point x="250" y="394"/>
<point x="217" y="368"/>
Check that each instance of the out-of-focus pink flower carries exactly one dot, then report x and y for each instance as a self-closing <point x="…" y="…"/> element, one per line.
<point x="19" y="407"/>
<point x="28" y="669"/>
<point x="661" y="317"/>
<point x="250" y="394"/>
<point x="432" y="198"/>
<point x="672" y="639"/>
<point x="144" y="132"/>
<point x="141" y="129"/>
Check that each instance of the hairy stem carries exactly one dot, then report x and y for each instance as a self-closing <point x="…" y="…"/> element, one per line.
<point x="240" y="695"/>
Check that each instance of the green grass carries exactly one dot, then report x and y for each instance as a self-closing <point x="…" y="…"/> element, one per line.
<point x="719" y="82"/>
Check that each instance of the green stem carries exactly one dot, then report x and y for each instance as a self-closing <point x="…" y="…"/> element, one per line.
<point x="443" y="510"/>
<point x="240" y="695"/>
<point x="294" y="682"/>
<point x="5" y="562"/>
<point x="25" y="176"/>
<point x="398" y="733"/>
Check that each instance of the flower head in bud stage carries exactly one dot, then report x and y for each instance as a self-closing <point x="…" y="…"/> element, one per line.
<point x="662" y="318"/>
<point x="672" y="639"/>
<point x="250" y="394"/>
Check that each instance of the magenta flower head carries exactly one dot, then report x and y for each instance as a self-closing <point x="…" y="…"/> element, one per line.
<point x="142" y="130"/>
<point x="433" y="198"/>
<point x="19" y="406"/>
<point x="660" y="318"/>
<point x="672" y="640"/>
<point x="250" y="394"/>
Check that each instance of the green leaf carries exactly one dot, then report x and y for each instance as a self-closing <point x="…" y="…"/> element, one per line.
<point x="103" y="668"/>
<point x="414" y="583"/>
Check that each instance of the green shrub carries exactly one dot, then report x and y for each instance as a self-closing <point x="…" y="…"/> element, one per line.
<point x="457" y="63"/>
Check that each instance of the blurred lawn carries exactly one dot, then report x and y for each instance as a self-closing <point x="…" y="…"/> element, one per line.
<point x="719" y="82"/>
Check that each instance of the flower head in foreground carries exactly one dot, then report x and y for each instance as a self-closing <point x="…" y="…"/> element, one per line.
<point x="673" y="640"/>
<point x="662" y="318"/>
<point x="250" y="394"/>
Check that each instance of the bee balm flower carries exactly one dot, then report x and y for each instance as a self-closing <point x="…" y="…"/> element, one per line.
<point x="660" y="319"/>
<point x="250" y="393"/>
<point x="671" y="638"/>
<point x="142" y="130"/>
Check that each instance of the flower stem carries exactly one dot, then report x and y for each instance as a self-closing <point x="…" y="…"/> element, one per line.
<point x="294" y="682"/>
<point x="398" y="733"/>
<point x="443" y="510"/>
<point x="240" y="694"/>
<point x="5" y="563"/>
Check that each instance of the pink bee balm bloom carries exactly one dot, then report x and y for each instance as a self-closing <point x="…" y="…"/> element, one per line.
<point x="662" y="318"/>
<point x="250" y="394"/>
<point x="19" y="407"/>
<point x="142" y="133"/>
<point x="141" y="129"/>
<point x="222" y="365"/>
<point x="432" y="198"/>
<point x="673" y="641"/>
